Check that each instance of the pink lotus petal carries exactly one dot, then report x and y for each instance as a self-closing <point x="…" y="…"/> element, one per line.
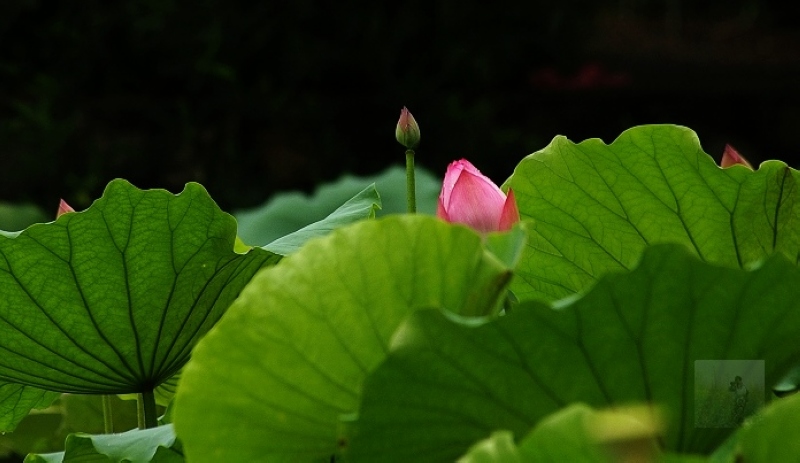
<point x="475" y="202"/>
<point x="454" y="170"/>
<point x="471" y="198"/>
<point x="453" y="173"/>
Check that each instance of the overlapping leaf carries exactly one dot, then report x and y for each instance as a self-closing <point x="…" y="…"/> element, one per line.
<point x="289" y="212"/>
<point x="596" y="207"/>
<point x="632" y="338"/>
<point x="774" y="435"/>
<point x="273" y="380"/>
<point x="497" y="448"/>
<point x="16" y="400"/>
<point x="112" y="299"/>
<point x="361" y="206"/>
<point x="156" y="445"/>
<point x="566" y="435"/>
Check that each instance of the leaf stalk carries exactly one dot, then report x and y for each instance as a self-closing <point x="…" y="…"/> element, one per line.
<point x="146" y="408"/>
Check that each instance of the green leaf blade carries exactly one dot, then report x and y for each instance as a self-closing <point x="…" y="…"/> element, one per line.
<point x="135" y="446"/>
<point x="596" y="207"/>
<point x="17" y="400"/>
<point x="361" y="206"/>
<point x="774" y="435"/>
<point x="288" y="212"/>
<point x="631" y="338"/>
<point x="304" y="334"/>
<point x="111" y="299"/>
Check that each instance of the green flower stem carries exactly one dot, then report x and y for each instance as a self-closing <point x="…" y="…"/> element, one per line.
<point x="146" y="402"/>
<point x="411" y="192"/>
<point x="108" y="418"/>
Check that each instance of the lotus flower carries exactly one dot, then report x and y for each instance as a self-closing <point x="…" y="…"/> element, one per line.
<point x="469" y="197"/>
<point x="731" y="157"/>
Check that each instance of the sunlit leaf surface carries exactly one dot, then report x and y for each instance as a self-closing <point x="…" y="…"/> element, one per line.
<point x="633" y="338"/>
<point x="274" y="379"/>
<point x="156" y="445"/>
<point x="596" y="207"/>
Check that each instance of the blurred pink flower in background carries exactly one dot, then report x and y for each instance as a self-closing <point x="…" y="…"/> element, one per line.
<point x="63" y="208"/>
<point x="471" y="198"/>
<point x="731" y="157"/>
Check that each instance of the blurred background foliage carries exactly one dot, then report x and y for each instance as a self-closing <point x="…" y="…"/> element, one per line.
<point x="250" y="98"/>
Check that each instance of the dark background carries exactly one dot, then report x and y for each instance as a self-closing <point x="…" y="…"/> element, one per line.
<point x="252" y="97"/>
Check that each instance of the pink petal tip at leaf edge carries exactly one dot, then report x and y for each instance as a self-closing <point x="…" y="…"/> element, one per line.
<point x="510" y="213"/>
<point x="731" y="157"/>
<point x="440" y="210"/>
<point x="63" y="208"/>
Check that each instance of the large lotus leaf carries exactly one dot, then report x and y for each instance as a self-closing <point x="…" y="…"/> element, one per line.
<point x="595" y="207"/>
<point x="17" y="400"/>
<point x="156" y="445"/>
<point x="289" y="212"/>
<point x="112" y="299"/>
<point x="275" y="376"/>
<point x="633" y="337"/>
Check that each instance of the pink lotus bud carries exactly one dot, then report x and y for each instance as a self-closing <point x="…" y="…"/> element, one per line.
<point x="731" y="157"/>
<point x="407" y="131"/>
<point x="63" y="208"/>
<point x="469" y="197"/>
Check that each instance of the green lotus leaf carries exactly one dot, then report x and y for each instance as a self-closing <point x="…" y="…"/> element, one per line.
<point x="497" y="448"/>
<point x="156" y="445"/>
<point x="275" y="377"/>
<point x="774" y="435"/>
<point x="567" y="436"/>
<point x="112" y="299"/>
<point x="596" y="207"/>
<point x="574" y="433"/>
<point x="633" y="338"/>
<point x="17" y="400"/>
<point x="288" y="212"/>
<point x="361" y="206"/>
